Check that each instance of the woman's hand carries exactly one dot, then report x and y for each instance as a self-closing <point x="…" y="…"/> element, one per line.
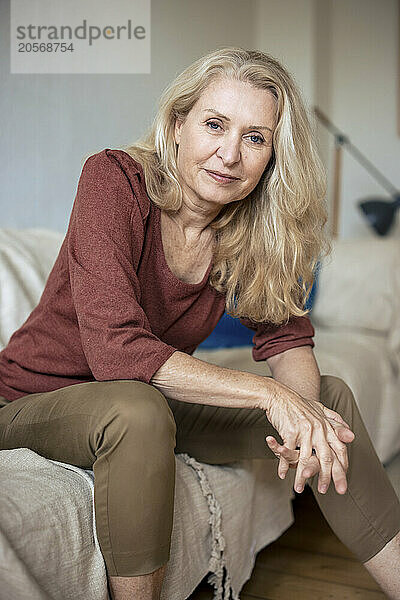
<point x="309" y="425"/>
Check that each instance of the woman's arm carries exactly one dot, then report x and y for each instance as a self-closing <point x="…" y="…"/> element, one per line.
<point x="186" y="378"/>
<point x="189" y="379"/>
<point x="298" y="369"/>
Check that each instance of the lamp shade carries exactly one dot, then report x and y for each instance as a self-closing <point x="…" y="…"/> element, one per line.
<point x="380" y="213"/>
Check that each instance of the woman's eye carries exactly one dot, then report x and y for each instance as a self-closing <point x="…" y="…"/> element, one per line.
<point x="258" y="137"/>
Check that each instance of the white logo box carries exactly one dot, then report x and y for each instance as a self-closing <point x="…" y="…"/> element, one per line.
<point x="80" y="36"/>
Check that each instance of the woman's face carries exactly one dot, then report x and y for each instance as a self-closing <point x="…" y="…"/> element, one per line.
<point x="228" y="130"/>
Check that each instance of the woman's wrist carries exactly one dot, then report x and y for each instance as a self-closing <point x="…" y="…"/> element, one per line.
<point x="274" y="394"/>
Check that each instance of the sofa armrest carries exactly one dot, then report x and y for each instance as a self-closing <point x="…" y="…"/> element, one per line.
<point x="26" y="258"/>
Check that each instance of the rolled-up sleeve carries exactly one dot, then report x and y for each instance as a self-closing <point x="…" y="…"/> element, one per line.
<point x="116" y="335"/>
<point x="272" y="339"/>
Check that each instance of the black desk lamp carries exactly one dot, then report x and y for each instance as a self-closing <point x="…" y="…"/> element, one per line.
<point x="378" y="211"/>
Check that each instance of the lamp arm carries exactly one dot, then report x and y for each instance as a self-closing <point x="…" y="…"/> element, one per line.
<point x="343" y="140"/>
<point x="372" y="170"/>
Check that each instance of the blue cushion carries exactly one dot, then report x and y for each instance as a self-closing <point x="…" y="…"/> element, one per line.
<point x="229" y="331"/>
<point x="311" y="298"/>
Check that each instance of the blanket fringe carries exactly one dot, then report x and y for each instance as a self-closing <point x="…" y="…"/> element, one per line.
<point x="217" y="562"/>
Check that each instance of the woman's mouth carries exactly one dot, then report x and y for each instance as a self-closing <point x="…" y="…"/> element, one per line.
<point x="220" y="178"/>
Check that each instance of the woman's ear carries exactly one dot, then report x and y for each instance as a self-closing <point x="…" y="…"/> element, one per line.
<point x="177" y="130"/>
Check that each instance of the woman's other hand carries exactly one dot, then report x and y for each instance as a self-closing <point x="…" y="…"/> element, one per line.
<point x="308" y="425"/>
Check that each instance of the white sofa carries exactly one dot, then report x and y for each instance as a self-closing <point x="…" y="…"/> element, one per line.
<point x="223" y="514"/>
<point x="357" y="324"/>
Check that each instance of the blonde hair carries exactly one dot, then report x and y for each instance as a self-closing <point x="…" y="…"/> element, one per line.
<point x="267" y="245"/>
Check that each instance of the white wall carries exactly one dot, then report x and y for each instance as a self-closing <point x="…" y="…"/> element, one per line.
<point x="284" y="28"/>
<point x="344" y="56"/>
<point x="342" y="53"/>
<point x="49" y="123"/>
<point x="357" y="78"/>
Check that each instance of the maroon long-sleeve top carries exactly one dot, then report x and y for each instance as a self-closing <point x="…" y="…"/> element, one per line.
<point x="112" y="308"/>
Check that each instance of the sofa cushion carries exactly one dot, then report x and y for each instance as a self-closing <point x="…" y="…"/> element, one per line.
<point x="359" y="286"/>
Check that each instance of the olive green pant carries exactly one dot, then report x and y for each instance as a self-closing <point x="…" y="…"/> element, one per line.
<point x="127" y="431"/>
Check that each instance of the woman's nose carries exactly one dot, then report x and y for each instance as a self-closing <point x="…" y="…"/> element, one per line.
<point x="229" y="150"/>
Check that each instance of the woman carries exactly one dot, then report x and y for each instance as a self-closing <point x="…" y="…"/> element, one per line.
<point x="219" y="207"/>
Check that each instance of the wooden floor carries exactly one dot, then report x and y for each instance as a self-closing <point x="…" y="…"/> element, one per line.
<point x="308" y="562"/>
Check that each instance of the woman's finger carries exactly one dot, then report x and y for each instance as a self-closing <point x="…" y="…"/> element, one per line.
<point x="344" y="434"/>
<point x="338" y="435"/>
<point x="324" y="455"/>
<point x="313" y="467"/>
<point x="339" y="476"/>
<point x="286" y="456"/>
<point x="334" y="415"/>
<point x="339" y="448"/>
<point x="331" y="414"/>
<point x="291" y="456"/>
<point x="341" y="432"/>
<point x="304" y="459"/>
<point x="278" y="449"/>
<point x="337" y="462"/>
<point x="284" y="462"/>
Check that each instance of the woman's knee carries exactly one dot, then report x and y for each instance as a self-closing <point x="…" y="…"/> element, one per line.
<point x="136" y="405"/>
<point x="337" y="395"/>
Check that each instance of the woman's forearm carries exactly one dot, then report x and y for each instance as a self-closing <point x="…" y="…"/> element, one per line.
<point x="189" y="379"/>
<point x="298" y="369"/>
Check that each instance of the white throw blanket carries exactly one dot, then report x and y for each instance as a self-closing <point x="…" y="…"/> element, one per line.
<point x="223" y="515"/>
